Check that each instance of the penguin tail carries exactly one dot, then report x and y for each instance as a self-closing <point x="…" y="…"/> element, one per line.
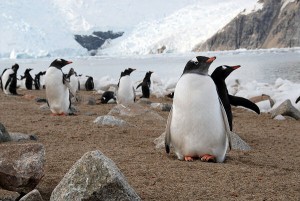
<point x="167" y="148"/>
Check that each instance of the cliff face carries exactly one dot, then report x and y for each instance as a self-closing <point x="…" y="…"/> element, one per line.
<point x="270" y="27"/>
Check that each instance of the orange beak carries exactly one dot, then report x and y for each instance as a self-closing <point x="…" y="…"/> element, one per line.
<point x="211" y="59"/>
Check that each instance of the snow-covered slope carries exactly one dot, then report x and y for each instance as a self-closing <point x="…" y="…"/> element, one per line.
<point x="37" y="28"/>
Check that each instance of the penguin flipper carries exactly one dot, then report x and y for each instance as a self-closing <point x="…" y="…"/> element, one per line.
<point x="139" y="85"/>
<point x="134" y="95"/>
<point x="239" y="101"/>
<point x="168" y="133"/>
<point x="226" y="123"/>
<point x="298" y="99"/>
<point x="7" y="82"/>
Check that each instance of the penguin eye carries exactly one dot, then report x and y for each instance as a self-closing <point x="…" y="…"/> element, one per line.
<point x="196" y="63"/>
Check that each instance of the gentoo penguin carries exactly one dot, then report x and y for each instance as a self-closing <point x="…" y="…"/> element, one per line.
<point x="107" y="97"/>
<point x="28" y="79"/>
<point x="57" y="91"/>
<point x="37" y="80"/>
<point x="125" y="91"/>
<point x="9" y="80"/>
<point x="89" y="84"/>
<point x="197" y="126"/>
<point x="74" y="81"/>
<point x="146" y="85"/>
<point x="298" y="99"/>
<point x="219" y="75"/>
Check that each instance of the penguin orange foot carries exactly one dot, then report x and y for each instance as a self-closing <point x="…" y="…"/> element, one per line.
<point x="208" y="158"/>
<point x="188" y="158"/>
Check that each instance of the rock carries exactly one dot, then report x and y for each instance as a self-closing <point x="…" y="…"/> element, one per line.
<point x="40" y="100"/>
<point x="33" y="195"/>
<point x="160" y="141"/>
<point x="144" y="101"/>
<point x="237" y="142"/>
<point x="44" y="107"/>
<point x="22" y="166"/>
<point x="286" y="109"/>
<point x="261" y="98"/>
<point x="162" y="106"/>
<point x="16" y="137"/>
<point x="109" y="120"/>
<point x="93" y="177"/>
<point x="4" y="135"/>
<point x="279" y="117"/>
<point x="90" y="101"/>
<point x="8" y="195"/>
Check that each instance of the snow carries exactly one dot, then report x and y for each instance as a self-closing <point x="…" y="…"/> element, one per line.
<point x="44" y="28"/>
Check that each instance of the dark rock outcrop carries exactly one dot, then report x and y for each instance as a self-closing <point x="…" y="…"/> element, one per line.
<point x="270" y="27"/>
<point x="97" y="39"/>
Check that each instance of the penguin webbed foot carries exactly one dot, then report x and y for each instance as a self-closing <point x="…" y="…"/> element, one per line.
<point x="188" y="158"/>
<point x="208" y="158"/>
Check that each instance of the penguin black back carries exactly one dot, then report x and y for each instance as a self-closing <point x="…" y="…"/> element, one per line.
<point x="28" y="79"/>
<point x="107" y="96"/>
<point x="37" y="80"/>
<point x="89" y="84"/>
<point x="13" y="80"/>
<point x="146" y="84"/>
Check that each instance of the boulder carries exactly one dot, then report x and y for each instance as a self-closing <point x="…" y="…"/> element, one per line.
<point x="33" y="195"/>
<point x="286" y="109"/>
<point x="4" y="135"/>
<point x="21" y="136"/>
<point x="8" y="195"/>
<point x="261" y="98"/>
<point x="22" y="166"/>
<point x="93" y="177"/>
<point x="109" y="120"/>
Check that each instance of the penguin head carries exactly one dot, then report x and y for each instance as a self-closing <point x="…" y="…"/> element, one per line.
<point x="59" y="63"/>
<point x="127" y="71"/>
<point x="222" y="72"/>
<point x="27" y="71"/>
<point x="15" y="67"/>
<point x="198" y="65"/>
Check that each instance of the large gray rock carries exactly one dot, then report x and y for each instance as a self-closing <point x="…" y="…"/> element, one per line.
<point x="109" y="120"/>
<point x="4" y="135"/>
<point x="8" y="195"/>
<point x="21" y="166"/>
<point x="21" y="136"/>
<point x="286" y="109"/>
<point x="93" y="177"/>
<point x="33" y="195"/>
<point x="269" y="27"/>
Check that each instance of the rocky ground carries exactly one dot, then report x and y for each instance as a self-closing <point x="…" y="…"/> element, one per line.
<point x="270" y="171"/>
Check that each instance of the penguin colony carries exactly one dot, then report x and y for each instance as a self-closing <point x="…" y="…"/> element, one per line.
<point x="199" y="122"/>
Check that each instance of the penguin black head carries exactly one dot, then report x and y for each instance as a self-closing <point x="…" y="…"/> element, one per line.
<point x="127" y="71"/>
<point x="59" y="63"/>
<point x="15" y="67"/>
<point x="222" y="72"/>
<point x="198" y="65"/>
<point x="27" y="71"/>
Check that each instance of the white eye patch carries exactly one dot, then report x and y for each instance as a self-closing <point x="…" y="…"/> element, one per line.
<point x="195" y="60"/>
<point x="224" y="67"/>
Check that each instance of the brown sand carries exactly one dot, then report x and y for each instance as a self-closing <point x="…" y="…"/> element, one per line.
<point x="271" y="171"/>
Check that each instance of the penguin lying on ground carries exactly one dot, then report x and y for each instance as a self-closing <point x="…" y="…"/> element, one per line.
<point x="146" y="84"/>
<point x="197" y="125"/>
<point x="125" y="91"/>
<point x="57" y="88"/>
<point x="108" y="97"/>
<point x="9" y="80"/>
<point x="219" y="75"/>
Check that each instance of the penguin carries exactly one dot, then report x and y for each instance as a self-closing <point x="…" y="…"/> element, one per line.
<point x="298" y="99"/>
<point x="37" y="80"/>
<point x="125" y="91"/>
<point x="9" y="80"/>
<point x="74" y="82"/>
<point x="108" y="97"/>
<point x="197" y="126"/>
<point x="28" y="79"/>
<point x="219" y="75"/>
<point x="57" y="90"/>
<point x="146" y="84"/>
<point x="89" y="84"/>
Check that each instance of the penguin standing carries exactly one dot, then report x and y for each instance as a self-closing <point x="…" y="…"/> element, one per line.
<point x="57" y="91"/>
<point x="37" y="80"/>
<point x="89" y="84"/>
<point x="197" y="126"/>
<point x="219" y="75"/>
<point x="125" y="91"/>
<point x="9" y="80"/>
<point x="28" y="79"/>
<point x="74" y="81"/>
<point x="146" y="84"/>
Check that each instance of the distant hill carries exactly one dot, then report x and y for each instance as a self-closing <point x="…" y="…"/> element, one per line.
<point x="276" y="25"/>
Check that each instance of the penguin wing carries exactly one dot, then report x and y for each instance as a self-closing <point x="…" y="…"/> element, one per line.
<point x="239" y="101"/>
<point x="168" y="133"/>
<point x="134" y="95"/>
<point x="139" y="85"/>
<point x="8" y="81"/>
<point x="298" y="99"/>
<point x="225" y="119"/>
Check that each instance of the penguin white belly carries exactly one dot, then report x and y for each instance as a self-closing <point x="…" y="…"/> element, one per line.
<point x="5" y="78"/>
<point x="125" y="94"/>
<point x="74" y="83"/>
<point x="197" y="127"/>
<point x="56" y="92"/>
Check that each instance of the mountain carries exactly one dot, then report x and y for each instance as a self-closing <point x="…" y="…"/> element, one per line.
<point x="275" y="25"/>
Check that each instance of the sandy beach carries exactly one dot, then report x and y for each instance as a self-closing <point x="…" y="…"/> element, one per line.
<point x="270" y="171"/>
